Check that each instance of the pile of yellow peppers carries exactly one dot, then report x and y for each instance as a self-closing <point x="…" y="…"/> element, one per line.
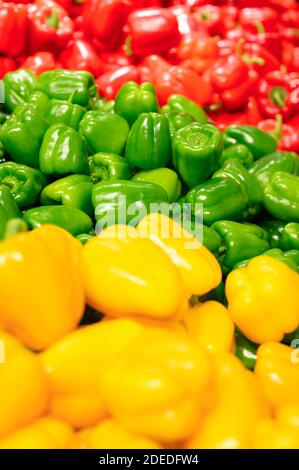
<point x="156" y="371"/>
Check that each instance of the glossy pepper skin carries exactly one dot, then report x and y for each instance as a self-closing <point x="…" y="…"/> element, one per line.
<point x="245" y="350"/>
<point x="164" y="177"/>
<point x="8" y="208"/>
<point x="65" y="112"/>
<point x="275" y="230"/>
<point x="133" y="99"/>
<point x="13" y="29"/>
<point x="196" y="152"/>
<point x="106" y="257"/>
<point x="62" y="84"/>
<point x="264" y="168"/>
<point x="177" y="120"/>
<point x="182" y="373"/>
<point x="35" y="322"/>
<point x="258" y="142"/>
<point x="73" y="190"/>
<point x="148" y="145"/>
<point x="281" y="196"/>
<point x="22" y="134"/>
<point x="122" y="201"/>
<point x="290" y="236"/>
<point x="238" y="151"/>
<point x="152" y="31"/>
<point x="235" y="170"/>
<point x="18" y="85"/>
<point x="218" y="199"/>
<point x="278" y="373"/>
<point x="63" y="151"/>
<point x="20" y="366"/>
<point x="109" y="166"/>
<point x="290" y="257"/>
<point x="181" y="104"/>
<point x="189" y="256"/>
<point x="98" y="129"/>
<point x="25" y="183"/>
<point x="256" y="294"/>
<point x="239" y="241"/>
<point x="69" y="218"/>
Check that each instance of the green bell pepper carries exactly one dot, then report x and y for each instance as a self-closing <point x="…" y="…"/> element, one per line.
<point x="238" y="151"/>
<point x="245" y="350"/>
<point x="22" y="134"/>
<point x="164" y="177"/>
<point x="218" y="199"/>
<point x="84" y="238"/>
<point x="3" y="117"/>
<point x="63" y="151"/>
<point x="217" y="294"/>
<point x="234" y="169"/>
<point x="290" y="257"/>
<point x="239" y="241"/>
<point x="264" y="168"/>
<point x="132" y="100"/>
<point x="17" y="86"/>
<point x="8" y="208"/>
<point x="196" y="152"/>
<point x="79" y="87"/>
<point x="69" y="218"/>
<point x="181" y="104"/>
<point x="104" y="132"/>
<point x="290" y="237"/>
<point x="25" y="183"/>
<point x="73" y="191"/>
<point x="149" y="145"/>
<point x="258" y="142"/>
<point x="109" y="166"/>
<point x="290" y="337"/>
<point x="281" y="196"/>
<point x="178" y="120"/>
<point x="275" y="230"/>
<point x="124" y="202"/>
<point x="104" y="106"/>
<point x="65" y="112"/>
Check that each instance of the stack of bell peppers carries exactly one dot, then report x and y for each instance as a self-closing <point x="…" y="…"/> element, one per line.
<point x="238" y="58"/>
<point x="202" y="301"/>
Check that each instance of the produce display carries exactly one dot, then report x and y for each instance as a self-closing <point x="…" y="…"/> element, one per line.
<point x="149" y="224"/>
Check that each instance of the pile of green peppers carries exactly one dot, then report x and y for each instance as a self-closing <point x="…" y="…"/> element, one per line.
<point x="67" y="156"/>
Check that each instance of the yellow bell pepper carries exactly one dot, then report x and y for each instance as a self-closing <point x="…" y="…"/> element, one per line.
<point x="124" y="274"/>
<point x="24" y="393"/>
<point x="263" y="299"/>
<point x="74" y="366"/>
<point x="279" y="433"/>
<point x="41" y="292"/>
<point x="44" y="433"/>
<point x="210" y="325"/>
<point x="158" y="385"/>
<point x="199" y="268"/>
<point x="111" y="435"/>
<point x="278" y="373"/>
<point x="238" y="407"/>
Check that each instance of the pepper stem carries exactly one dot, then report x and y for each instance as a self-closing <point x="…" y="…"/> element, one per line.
<point x="260" y="27"/>
<point x="277" y="133"/>
<point x="53" y="20"/>
<point x="278" y="96"/>
<point x="15" y="226"/>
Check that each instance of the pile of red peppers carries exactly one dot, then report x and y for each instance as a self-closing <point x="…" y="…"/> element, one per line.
<point x="238" y="59"/>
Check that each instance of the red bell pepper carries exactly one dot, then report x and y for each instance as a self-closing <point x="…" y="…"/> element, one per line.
<point x="7" y="64"/>
<point x="212" y="19"/>
<point x="40" y="62"/>
<point x="198" y="52"/>
<point x="104" y="20"/>
<point x="81" y="55"/>
<point x="258" y="57"/>
<point x="224" y="119"/>
<point x="152" y="31"/>
<point x="13" y="29"/>
<point x="278" y="93"/>
<point x="73" y="7"/>
<point x="182" y="81"/>
<point x="256" y="19"/>
<point x="110" y="82"/>
<point x="50" y="28"/>
<point x="113" y="60"/>
<point x="286" y="135"/>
